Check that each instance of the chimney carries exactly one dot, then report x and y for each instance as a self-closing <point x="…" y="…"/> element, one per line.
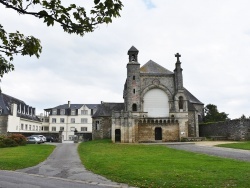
<point x="69" y="104"/>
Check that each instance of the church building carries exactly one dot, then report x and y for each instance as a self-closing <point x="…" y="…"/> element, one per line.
<point x="157" y="107"/>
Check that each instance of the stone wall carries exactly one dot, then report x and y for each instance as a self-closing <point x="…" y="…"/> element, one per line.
<point x="105" y="128"/>
<point x="232" y="130"/>
<point x="146" y="132"/>
<point x="3" y="124"/>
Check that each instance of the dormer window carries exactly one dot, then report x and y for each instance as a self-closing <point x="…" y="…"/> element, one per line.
<point x="62" y="111"/>
<point x="54" y="112"/>
<point x="73" y="112"/>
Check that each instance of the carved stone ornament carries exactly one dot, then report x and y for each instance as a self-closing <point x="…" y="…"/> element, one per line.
<point x="156" y="82"/>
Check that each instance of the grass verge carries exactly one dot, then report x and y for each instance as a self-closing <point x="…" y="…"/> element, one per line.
<point x="13" y="158"/>
<point x="160" y="166"/>
<point x="240" y="145"/>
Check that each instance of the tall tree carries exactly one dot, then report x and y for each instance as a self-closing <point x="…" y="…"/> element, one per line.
<point x="72" y="18"/>
<point x="213" y="115"/>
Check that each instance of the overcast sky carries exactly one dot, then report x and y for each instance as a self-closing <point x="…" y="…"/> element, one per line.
<point x="213" y="38"/>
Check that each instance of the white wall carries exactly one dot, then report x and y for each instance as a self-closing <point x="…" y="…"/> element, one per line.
<point x="67" y="125"/>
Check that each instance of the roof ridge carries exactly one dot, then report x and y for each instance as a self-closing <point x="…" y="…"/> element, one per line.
<point x="153" y="67"/>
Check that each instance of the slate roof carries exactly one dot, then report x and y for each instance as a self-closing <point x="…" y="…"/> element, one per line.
<point x="105" y="109"/>
<point x="5" y="104"/>
<point x="133" y="49"/>
<point x="153" y="68"/>
<point x="191" y="98"/>
<point x="73" y="106"/>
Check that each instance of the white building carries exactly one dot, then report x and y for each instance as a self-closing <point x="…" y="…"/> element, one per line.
<point x="17" y="117"/>
<point x="69" y="119"/>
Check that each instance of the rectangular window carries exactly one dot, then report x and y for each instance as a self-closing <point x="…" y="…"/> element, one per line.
<point x="84" y="128"/>
<point x="84" y="120"/>
<point x="61" y="128"/>
<point x="21" y="126"/>
<point x="26" y="127"/>
<point x="84" y="112"/>
<point x="53" y="120"/>
<point x="97" y="125"/>
<point x="62" y="111"/>
<point x="36" y="128"/>
<point x="46" y="128"/>
<point x="72" y="128"/>
<point x="33" y="127"/>
<point x="53" y="129"/>
<point x="72" y="120"/>
<point x="54" y="112"/>
<point x="61" y="120"/>
<point x="73" y="112"/>
<point x="30" y="127"/>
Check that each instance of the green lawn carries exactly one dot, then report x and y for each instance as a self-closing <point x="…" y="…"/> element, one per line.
<point x="240" y="145"/>
<point x="159" y="166"/>
<point x="24" y="156"/>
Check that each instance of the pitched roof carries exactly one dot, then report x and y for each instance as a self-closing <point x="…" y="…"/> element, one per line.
<point x="191" y="98"/>
<point x="73" y="106"/>
<point x="5" y="103"/>
<point x="105" y="109"/>
<point x="153" y="68"/>
<point x="133" y="49"/>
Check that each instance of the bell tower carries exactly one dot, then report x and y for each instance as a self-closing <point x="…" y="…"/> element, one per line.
<point x="132" y="98"/>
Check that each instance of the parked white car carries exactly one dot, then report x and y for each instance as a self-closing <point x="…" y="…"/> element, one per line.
<point x="34" y="140"/>
<point x="43" y="138"/>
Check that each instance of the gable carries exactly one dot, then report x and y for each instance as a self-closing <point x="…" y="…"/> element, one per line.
<point x="153" y="68"/>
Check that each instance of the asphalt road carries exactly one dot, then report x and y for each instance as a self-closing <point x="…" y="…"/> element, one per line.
<point x="237" y="154"/>
<point x="63" y="165"/>
<point x="10" y="179"/>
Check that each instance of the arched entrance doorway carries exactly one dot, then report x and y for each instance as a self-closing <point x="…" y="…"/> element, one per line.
<point x="158" y="133"/>
<point x="117" y="135"/>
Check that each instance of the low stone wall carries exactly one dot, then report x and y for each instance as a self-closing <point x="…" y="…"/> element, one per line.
<point x="231" y="130"/>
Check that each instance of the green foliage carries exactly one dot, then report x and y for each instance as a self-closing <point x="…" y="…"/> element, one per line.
<point x="13" y="158"/>
<point x="213" y="115"/>
<point x="19" y="139"/>
<point x="72" y="18"/>
<point x="159" y="166"/>
<point x="16" y="43"/>
<point x="12" y="140"/>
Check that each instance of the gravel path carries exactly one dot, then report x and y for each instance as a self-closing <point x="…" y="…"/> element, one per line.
<point x="237" y="154"/>
<point x="64" y="162"/>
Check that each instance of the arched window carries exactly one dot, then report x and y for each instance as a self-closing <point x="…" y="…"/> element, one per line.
<point x="134" y="107"/>
<point x="181" y="103"/>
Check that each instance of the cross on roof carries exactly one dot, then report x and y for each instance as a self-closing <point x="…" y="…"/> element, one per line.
<point x="178" y="56"/>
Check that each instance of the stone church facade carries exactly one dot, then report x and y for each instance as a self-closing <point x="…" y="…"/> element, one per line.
<point x="157" y="107"/>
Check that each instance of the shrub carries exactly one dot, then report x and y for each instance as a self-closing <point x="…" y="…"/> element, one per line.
<point x="7" y="142"/>
<point x="19" y="139"/>
<point x="12" y="140"/>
